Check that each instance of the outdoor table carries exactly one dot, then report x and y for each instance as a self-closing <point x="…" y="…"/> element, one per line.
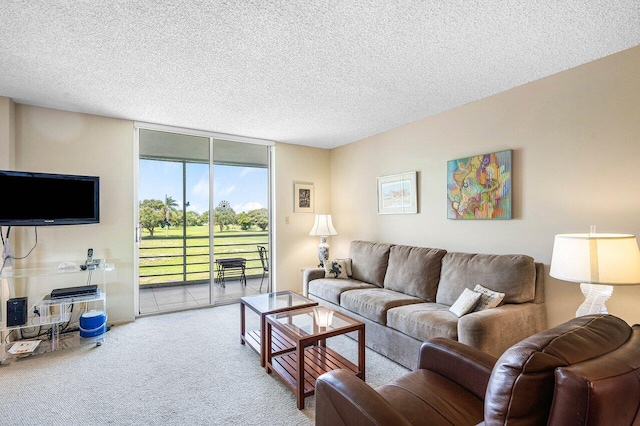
<point x="231" y="263"/>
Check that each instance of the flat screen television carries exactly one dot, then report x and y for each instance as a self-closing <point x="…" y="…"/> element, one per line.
<point x="45" y="199"/>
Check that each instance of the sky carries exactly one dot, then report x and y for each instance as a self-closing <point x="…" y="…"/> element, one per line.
<point x="245" y="188"/>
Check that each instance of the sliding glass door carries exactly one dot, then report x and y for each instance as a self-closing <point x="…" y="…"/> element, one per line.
<point x="199" y="196"/>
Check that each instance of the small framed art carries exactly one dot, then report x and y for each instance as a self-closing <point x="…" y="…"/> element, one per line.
<point x="397" y="194"/>
<point x="303" y="198"/>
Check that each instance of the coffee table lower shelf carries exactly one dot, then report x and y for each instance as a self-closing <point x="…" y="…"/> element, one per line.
<point x="317" y="361"/>
<point x="279" y="342"/>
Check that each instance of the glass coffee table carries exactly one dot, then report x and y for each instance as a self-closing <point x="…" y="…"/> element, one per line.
<point x="263" y="305"/>
<point x="300" y="366"/>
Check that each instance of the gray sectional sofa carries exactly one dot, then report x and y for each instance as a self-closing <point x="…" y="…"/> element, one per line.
<point x="403" y="295"/>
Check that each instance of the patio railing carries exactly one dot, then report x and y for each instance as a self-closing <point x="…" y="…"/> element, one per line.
<point x="178" y="260"/>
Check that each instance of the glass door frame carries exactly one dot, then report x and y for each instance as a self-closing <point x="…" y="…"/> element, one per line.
<point x="137" y="126"/>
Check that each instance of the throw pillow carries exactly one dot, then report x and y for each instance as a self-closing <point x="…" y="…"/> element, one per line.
<point x="465" y="303"/>
<point x="488" y="298"/>
<point x="335" y="269"/>
<point x="347" y="262"/>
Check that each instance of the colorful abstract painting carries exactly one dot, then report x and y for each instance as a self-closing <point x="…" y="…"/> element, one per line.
<point x="480" y="187"/>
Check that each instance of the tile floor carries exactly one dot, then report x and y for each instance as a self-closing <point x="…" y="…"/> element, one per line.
<point x="172" y="298"/>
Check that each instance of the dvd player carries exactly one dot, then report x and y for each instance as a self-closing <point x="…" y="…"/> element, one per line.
<point x="81" y="291"/>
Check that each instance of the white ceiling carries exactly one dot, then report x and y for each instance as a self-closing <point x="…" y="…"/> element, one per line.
<point x="310" y="72"/>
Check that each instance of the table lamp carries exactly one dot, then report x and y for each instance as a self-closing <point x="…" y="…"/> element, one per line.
<point x="597" y="262"/>
<point x="323" y="227"/>
<point x="323" y="316"/>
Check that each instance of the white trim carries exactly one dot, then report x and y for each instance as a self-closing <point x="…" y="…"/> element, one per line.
<point x="212" y="260"/>
<point x="136" y="223"/>
<point x="203" y="133"/>
<point x="271" y="205"/>
<point x="273" y="256"/>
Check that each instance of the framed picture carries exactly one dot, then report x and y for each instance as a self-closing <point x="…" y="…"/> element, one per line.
<point x="397" y="194"/>
<point x="303" y="198"/>
<point x="480" y="187"/>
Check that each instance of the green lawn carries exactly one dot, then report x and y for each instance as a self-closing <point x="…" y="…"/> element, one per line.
<point x="163" y="253"/>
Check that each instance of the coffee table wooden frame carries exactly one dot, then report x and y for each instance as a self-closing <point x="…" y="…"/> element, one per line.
<point x="256" y="339"/>
<point x="300" y="366"/>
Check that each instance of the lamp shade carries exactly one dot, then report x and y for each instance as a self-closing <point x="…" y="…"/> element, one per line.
<point x="596" y="258"/>
<point x="323" y="227"/>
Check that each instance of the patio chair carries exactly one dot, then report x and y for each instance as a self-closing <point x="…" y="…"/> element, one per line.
<point x="262" y="251"/>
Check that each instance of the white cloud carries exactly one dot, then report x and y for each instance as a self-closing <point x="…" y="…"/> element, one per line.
<point x="246" y="170"/>
<point x="201" y="188"/>
<point x="247" y="207"/>
<point x="226" y="191"/>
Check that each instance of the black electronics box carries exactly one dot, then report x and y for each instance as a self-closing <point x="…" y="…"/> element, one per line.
<point x="16" y="311"/>
<point x="81" y="291"/>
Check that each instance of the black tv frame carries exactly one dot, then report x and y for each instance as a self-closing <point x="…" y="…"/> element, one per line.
<point x="47" y="218"/>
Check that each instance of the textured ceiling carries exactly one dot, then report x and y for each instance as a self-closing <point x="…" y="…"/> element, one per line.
<point x="320" y="73"/>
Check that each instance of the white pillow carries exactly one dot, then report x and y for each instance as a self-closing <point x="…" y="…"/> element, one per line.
<point x="488" y="298"/>
<point x="335" y="269"/>
<point x="348" y="263"/>
<point x="465" y="302"/>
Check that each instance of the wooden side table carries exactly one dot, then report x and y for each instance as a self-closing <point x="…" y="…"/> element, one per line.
<point x="263" y="305"/>
<point x="300" y="366"/>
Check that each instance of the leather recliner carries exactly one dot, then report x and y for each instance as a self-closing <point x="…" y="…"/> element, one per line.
<point x="583" y="372"/>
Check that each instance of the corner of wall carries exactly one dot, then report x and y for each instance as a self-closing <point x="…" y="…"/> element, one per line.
<point x="7" y="133"/>
<point x="295" y="249"/>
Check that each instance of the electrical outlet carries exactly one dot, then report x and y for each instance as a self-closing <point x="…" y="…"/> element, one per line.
<point x="286" y="220"/>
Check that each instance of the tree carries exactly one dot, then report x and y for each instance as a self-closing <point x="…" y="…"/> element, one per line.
<point x="260" y="218"/>
<point x="224" y="218"/>
<point x="151" y="214"/>
<point x="245" y="221"/>
<point x="176" y="219"/>
<point x="170" y="206"/>
<point x="204" y="218"/>
<point x="193" y="218"/>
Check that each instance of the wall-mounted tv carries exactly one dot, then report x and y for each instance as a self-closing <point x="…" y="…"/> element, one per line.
<point x="44" y="199"/>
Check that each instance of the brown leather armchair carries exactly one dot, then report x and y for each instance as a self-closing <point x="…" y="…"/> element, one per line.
<point x="583" y="372"/>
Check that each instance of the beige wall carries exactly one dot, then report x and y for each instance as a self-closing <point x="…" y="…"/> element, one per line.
<point x="56" y="141"/>
<point x="295" y="249"/>
<point x="576" y="142"/>
<point x="7" y="134"/>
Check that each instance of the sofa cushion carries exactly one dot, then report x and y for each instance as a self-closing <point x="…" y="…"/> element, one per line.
<point x="513" y="275"/>
<point x="424" y="321"/>
<point x="375" y="302"/>
<point x="369" y="261"/>
<point x="335" y="269"/>
<point x="347" y="262"/>
<point x="330" y="289"/>
<point x="414" y="271"/>
<point x="465" y="303"/>
<point x="488" y="298"/>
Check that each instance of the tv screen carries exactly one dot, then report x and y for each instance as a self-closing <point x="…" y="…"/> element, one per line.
<point x="40" y="199"/>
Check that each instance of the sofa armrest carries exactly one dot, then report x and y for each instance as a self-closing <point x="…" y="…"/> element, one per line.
<point x="486" y="330"/>
<point x="462" y="364"/>
<point x="308" y="276"/>
<point x="343" y="399"/>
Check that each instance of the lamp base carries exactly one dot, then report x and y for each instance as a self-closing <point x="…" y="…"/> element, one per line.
<point x="595" y="297"/>
<point x="323" y="251"/>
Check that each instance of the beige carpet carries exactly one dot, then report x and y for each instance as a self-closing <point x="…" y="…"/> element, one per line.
<point x="173" y="369"/>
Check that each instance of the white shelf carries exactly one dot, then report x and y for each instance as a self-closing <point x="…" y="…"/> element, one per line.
<point x="51" y="270"/>
<point x="50" y="316"/>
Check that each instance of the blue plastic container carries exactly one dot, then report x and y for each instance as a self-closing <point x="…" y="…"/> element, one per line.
<point x="93" y="323"/>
